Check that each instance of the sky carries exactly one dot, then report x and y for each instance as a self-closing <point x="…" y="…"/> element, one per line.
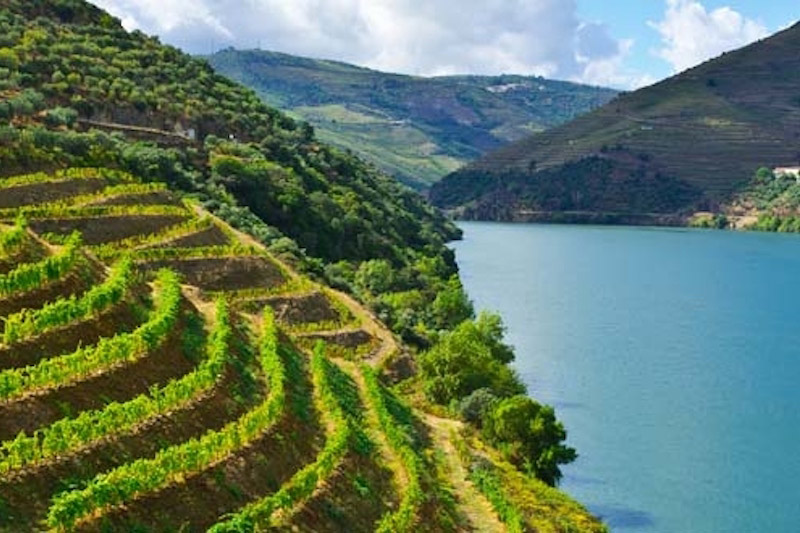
<point x="624" y="44"/>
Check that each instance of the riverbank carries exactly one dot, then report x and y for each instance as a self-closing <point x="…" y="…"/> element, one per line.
<point x="664" y="353"/>
<point x="760" y="222"/>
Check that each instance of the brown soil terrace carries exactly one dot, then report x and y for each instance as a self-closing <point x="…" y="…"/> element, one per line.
<point x="361" y="490"/>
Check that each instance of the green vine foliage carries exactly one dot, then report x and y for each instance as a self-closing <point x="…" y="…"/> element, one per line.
<point x="33" y="275"/>
<point x="31" y="322"/>
<point x="69" y="435"/>
<point x="174" y="463"/>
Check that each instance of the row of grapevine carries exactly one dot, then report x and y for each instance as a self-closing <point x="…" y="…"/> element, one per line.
<point x="404" y="518"/>
<point x="70" y="435"/>
<point x="483" y="476"/>
<point x="31" y="322"/>
<point x="293" y="285"/>
<point x="126" y="347"/>
<point x="13" y="238"/>
<point x="177" y="462"/>
<point x="301" y="486"/>
<point x="113" y="249"/>
<point x="162" y="254"/>
<point x="32" y="275"/>
<point x="67" y="210"/>
<point x="112" y="191"/>
<point x="116" y="191"/>
<point x="110" y="175"/>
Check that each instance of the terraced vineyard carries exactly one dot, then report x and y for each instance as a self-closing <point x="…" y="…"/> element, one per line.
<point x="160" y="371"/>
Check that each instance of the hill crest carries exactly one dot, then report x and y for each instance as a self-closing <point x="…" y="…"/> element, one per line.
<point x="703" y="133"/>
<point x="416" y="128"/>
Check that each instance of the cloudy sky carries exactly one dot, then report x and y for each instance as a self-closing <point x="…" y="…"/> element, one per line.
<point x="620" y="43"/>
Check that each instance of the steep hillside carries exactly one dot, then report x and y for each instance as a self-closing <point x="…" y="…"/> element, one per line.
<point x="684" y="144"/>
<point x="161" y="370"/>
<point x="418" y="129"/>
<point x="770" y="202"/>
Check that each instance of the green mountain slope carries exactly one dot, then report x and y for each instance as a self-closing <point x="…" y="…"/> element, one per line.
<point x="173" y="356"/>
<point x="418" y="129"/>
<point x="683" y="144"/>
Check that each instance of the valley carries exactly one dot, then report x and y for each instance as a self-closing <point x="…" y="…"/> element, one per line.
<point x="214" y="321"/>
<point x="415" y="128"/>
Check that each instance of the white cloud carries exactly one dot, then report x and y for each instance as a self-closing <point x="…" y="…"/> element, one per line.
<point x="612" y="72"/>
<point x="165" y="16"/>
<point x="424" y="37"/>
<point x="691" y="34"/>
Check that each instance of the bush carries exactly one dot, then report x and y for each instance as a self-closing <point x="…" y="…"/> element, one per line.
<point x="8" y="59"/>
<point x="375" y="276"/>
<point x="530" y="437"/>
<point x="469" y="358"/>
<point x="61" y="116"/>
<point x="476" y="406"/>
<point x="451" y="306"/>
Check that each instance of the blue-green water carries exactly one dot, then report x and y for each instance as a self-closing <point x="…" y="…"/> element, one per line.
<point x="672" y="356"/>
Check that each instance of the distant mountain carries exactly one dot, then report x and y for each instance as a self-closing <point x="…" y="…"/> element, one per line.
<point x="654" y="155"/>
<point x="418" y="129"/>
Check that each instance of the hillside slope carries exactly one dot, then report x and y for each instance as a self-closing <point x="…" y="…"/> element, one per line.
<point x="171" y="374"/>
<point x="417" y="129"/>
<point x="161" y="370"/>
<point x="683" y="144"/>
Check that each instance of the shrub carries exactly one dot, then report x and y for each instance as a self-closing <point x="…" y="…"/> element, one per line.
<point x="530" y="437"/>
<point x="61" y="116"/>
<point x="477" y="405"/>
<point x="471" y="357"/>
<point x="8" y="59"/>
<point x="375" y="276"/>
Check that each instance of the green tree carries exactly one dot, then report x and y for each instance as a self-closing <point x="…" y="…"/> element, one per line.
<point x="475" y="407"/>
<point x="8" y="59"/>
<point x="375" y="276"/>
<point x="530" y="436"/>
<point x="471" y="357"/>
<point x="61" y="116"/>
<point x="451" y="306"/>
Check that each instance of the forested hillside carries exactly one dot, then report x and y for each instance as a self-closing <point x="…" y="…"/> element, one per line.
<point x="161" y="370"/>
<point x="415" y="128"/>
<point x="654" y="155"/>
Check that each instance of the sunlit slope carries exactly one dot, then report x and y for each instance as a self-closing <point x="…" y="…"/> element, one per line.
<point x="415" y="128"/>
<point x="686" y="143"/>
<point x="161" y="371"/>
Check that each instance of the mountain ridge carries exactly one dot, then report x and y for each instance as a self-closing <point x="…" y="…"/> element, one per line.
<point x="699" y="136"/>
<point x="416" y="128"/>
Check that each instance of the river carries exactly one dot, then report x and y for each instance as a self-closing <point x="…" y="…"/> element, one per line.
<point x="671" y="355"/>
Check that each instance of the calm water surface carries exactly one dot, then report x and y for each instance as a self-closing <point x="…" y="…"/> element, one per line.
<point x="672" y="356"/>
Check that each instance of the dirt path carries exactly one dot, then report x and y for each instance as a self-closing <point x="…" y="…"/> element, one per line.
<point x="370" y="324"/>
<point x="471" y="503"/>
<point x="373" y="426"/>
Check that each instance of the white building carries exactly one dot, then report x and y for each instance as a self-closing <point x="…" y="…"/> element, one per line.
<point x="792" y="172"/>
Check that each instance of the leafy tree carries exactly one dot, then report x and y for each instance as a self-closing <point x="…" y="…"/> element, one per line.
<point x="452" y="306"/>
<point x="61" y="116"/>
<point x="530" y="437"/>
<point x="764" y="175"/>
<point x="471" y="357"/>
<point x="8" y="59"/>
<point x="477" y="405"/>
<point x="375" y="276"/>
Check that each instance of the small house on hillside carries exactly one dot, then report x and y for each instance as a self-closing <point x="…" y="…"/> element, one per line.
<point x="787" y="172"/>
